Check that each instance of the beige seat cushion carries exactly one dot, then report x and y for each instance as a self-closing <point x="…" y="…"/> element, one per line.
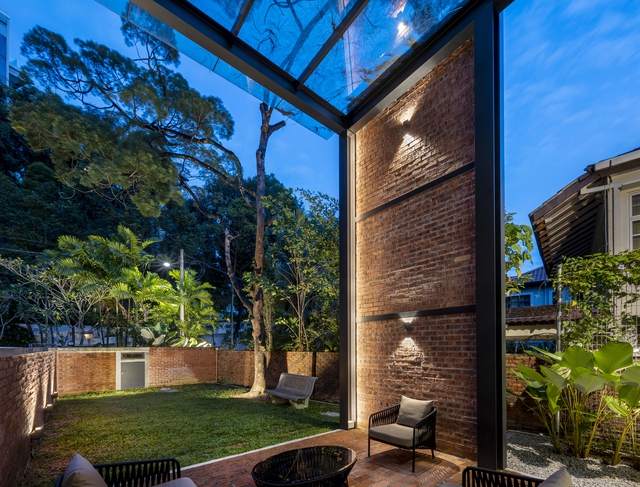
<point x="80" y="473"/>
<point x="412" y="411"/>
<point x="182" y="482"/>
<point x="393" y="433"/>
<point x="559" y="479"/>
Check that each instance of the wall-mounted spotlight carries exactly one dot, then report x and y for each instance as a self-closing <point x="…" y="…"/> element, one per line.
<point x="407" y="324"/>
<point x="406" y="127"/>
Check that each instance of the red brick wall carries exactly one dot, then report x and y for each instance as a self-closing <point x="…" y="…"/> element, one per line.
<point x="420" y="254"/>
<point x="26" y="383"/>
<point x="236" y="367"/>
<point x="173" y="366"/>
<point x="81" y="371"/>
<point x="94" y="370"/>
<point x="519" y="417"/>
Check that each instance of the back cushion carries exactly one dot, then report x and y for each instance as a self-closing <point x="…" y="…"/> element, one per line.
<point x="80" y="473"/>
<point x="412" y="411"/>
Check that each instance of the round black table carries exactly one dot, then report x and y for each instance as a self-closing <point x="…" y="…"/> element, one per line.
<point x="314" y="466"/>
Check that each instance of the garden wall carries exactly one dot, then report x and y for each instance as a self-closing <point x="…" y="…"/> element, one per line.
<point x="94" y="369"/>
<point x="236" y="367"/>
<point x="27" y="380"/>
<point x="518" y="415"/>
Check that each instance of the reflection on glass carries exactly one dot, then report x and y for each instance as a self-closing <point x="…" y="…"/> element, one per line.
<point x="291" y="33"/>
<point x="169" y="36"/>
<point x="250" y="86"/>
<point x="223" y="12"/>
<point x="121" y="7"/>
<point x="189" y="48"/>
<point x="382" y="33"/>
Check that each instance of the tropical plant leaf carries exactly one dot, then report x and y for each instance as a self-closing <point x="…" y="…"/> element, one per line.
<point x="613" y="356"/>
<point x="589" y="383"/>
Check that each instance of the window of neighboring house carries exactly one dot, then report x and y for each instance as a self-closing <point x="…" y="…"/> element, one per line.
<point x="518" y="301"/>
<point x="635" y="221"/>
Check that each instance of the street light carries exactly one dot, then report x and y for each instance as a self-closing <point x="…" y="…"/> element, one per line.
<point x="168" y="264"/>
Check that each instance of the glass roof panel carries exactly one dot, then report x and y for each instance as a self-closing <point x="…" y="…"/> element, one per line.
<point x="222" y="11"/>
<point x="291" y="33"/>
<point x="382" y="33"/>
<point x="189" y="48"/>
<point x="247" y="84"/>
<point x="169" y="36"/>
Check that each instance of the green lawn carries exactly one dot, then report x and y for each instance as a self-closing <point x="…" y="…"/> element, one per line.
<point x="198" y="423"/>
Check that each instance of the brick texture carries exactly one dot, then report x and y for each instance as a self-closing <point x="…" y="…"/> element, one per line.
<point x="82" y="371"/>
<point x="26" y="383"/>
<point x="519" y="417"/>
<point x="236" y="367"/>
<point x="420" y="253"/>
<point x="173" y="366"/>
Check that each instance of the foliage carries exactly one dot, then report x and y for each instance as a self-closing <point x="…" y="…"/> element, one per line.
<point x="136" y="131"/>
<point x="110" y="276"/>
<point x="601" y="288"/>
<point x="195" y="424"/>
<point x="304" y="257"/>
<point x="518" y="244"/>
<point x="567" y="385"/>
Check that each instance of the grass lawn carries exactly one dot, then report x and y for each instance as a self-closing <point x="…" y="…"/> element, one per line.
<point x="198" y="423"/>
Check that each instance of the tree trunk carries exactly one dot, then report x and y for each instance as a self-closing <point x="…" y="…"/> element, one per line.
<point x="256" y="293"/>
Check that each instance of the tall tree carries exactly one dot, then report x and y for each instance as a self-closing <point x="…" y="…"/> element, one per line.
<point x="136" y="132"/>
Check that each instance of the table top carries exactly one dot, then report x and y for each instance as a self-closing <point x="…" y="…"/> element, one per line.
<point x="305" y="464"/>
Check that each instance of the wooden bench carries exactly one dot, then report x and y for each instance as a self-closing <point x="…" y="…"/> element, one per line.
<point x="292" y="388"/>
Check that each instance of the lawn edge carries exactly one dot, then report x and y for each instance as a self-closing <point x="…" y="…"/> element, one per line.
<point x="215" y="460"/>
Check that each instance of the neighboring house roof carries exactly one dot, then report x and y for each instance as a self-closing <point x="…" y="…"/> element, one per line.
<point x="537" y="275"/>
<point x="571" y="223"/>
<point x="532" y="314"/>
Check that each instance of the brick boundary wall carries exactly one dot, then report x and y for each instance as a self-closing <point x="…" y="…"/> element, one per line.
<point x="174" y="366"/>
<point x="94" y="370"/>
<point x="236" y="367"/>
<point x="419" y="253"/>
<point x="82" y="370"/>
<point x="519" y="417"/>
<point x="27" y="379"/>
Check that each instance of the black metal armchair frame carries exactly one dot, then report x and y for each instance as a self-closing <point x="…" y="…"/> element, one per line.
<point x="424" y="431"/>
<point x="483" y="477"/>
<point x="140" y="473"/>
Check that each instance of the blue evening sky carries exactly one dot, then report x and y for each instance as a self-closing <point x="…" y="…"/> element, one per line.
<point x="571" y="78"/>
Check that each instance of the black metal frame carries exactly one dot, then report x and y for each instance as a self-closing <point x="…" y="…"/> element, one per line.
<point x="424" y="431"/>
<point x="490" y="314"/>
<point x="136" y="473"/>
<point x="484" y="477"/>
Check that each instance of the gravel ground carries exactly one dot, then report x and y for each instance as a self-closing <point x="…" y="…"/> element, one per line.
<point x="533" y="455"/>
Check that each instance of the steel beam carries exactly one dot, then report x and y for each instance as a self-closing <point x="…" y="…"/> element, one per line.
<point x="204" y="31"/>
<point x="348" y="413"/>
<point x="332" y="40"/>
<point x="490" y="305"/>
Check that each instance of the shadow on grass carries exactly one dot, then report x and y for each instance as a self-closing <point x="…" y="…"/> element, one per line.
<point x="195" y="424"/>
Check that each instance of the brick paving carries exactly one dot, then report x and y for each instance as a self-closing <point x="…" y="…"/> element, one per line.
<point x="387" y="466"/>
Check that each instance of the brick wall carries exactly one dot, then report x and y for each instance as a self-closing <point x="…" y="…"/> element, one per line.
<point x="94" y="370"/>
<point x="236" y="367"/>
<point x="518" y="415"/>
<point x="419" y="254"/>
<point x="173" y="366"/>
<point x="26" y="383"/>
<point x="86" y="370"/>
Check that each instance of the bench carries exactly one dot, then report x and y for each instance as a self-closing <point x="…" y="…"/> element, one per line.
<point x="292" y="388"/>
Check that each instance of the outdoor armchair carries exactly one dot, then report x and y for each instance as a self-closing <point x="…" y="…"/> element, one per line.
<point x="141" y="473"/>
<point x="410" y="424"/>
<point x="483" y="477"/>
